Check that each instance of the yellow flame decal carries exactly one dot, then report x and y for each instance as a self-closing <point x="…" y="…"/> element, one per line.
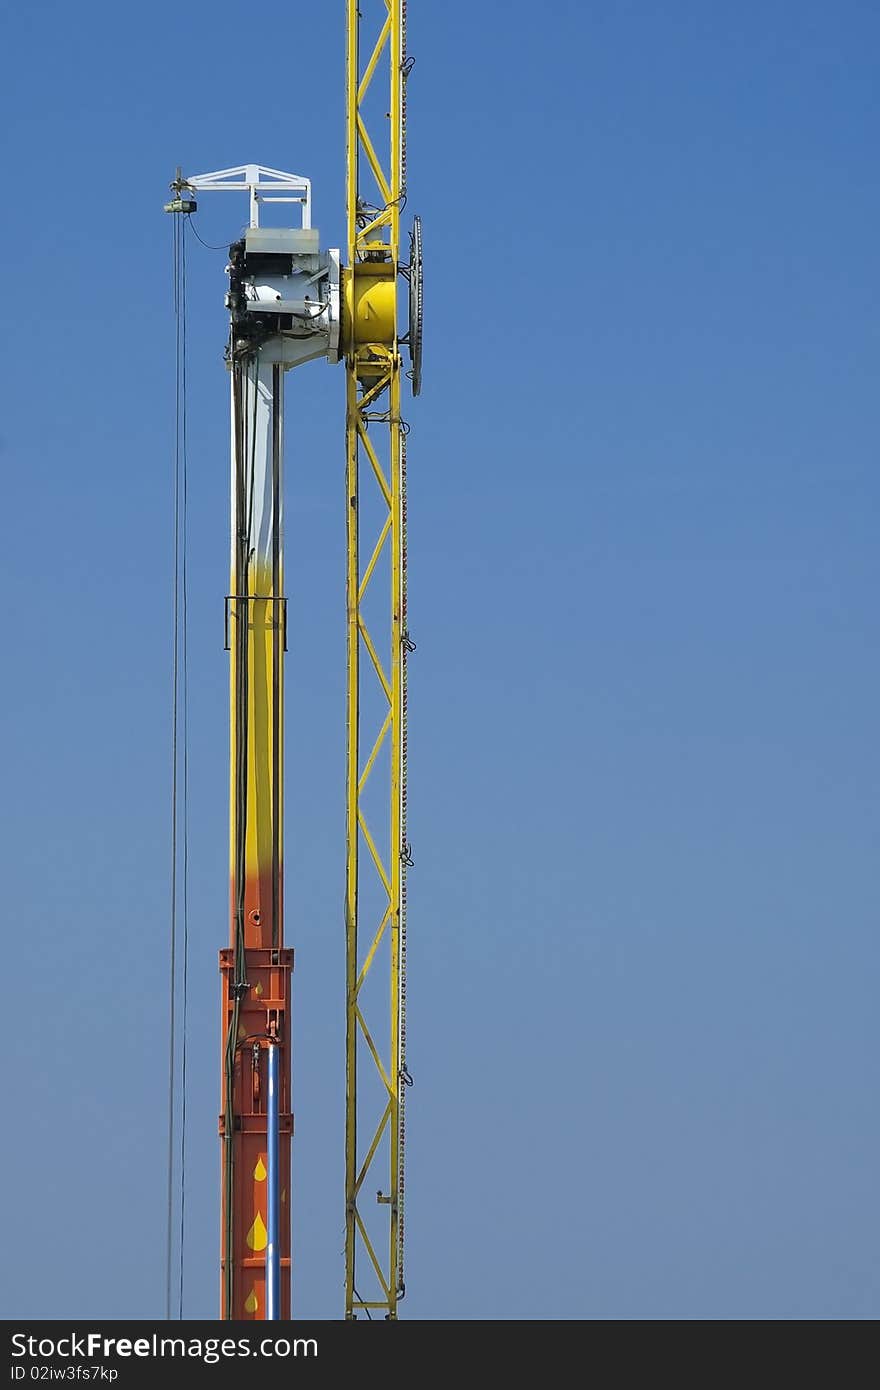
<point x="258" y="990"/>
<point x="260" y="1171"/>
<point x="242" y="1032"/>
<point x="257" y="1237"/>
<point x="250" y="1302"/>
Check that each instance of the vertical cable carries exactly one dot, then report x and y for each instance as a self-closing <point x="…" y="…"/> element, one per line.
<point x="277" y="614"/>
<point x="175" y="687"/>
<point x="185" y="800"/>
<point x="273" y="1186"/>
<point x="179" y="868"/>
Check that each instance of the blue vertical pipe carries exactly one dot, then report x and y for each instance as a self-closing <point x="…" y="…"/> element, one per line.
<point x="273" y="1215"/>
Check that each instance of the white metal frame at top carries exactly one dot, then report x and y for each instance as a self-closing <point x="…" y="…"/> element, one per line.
<point x="261" y="184"/>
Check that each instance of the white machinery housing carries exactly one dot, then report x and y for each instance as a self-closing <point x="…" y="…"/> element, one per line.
<point x="283" y="289"/>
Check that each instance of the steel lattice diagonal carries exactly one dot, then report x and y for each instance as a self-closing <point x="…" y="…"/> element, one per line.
<point x="377" y="647"/>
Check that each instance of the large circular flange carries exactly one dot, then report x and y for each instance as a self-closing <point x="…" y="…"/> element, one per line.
<point x="415" y="304"/>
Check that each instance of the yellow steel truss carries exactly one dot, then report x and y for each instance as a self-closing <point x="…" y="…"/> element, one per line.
<point x="377" y="854"/>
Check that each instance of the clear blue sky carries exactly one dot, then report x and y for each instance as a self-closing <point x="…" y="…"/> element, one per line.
<point x="644" y="496"/>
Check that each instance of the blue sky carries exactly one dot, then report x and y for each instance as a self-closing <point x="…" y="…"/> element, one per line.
<point x="643" y="789"/>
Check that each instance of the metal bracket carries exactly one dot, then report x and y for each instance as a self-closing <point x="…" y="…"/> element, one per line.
<point x="254" y="598"/>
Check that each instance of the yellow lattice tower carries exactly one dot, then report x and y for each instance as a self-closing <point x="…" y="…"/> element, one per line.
<point x="378" y="644"/>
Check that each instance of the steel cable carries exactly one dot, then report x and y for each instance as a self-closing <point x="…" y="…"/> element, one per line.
<point x="179" y="866"/>
<point x="184" y="693"/>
